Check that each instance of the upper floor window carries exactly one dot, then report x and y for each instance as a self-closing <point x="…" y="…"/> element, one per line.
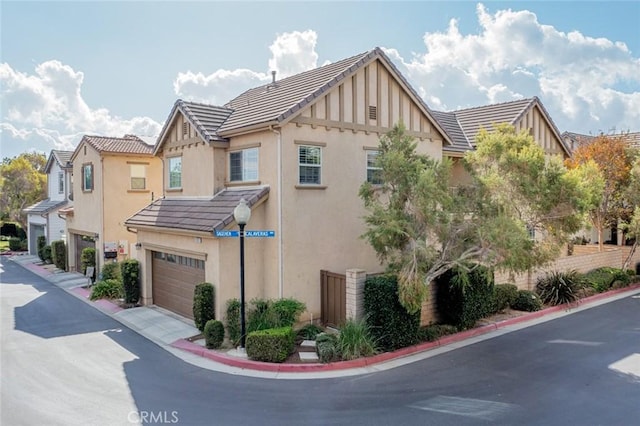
<point x="310" y="165"/>
<point x="175" y="172"/>
<point x="243" y="165"/>
<point x="60" y="182"/>
<point x="138" y="176"/>
<point x="87" y="177"/>
<point x="374" y="173"/>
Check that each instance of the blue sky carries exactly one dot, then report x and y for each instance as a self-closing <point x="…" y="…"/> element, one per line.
<point x="74" y="68"/>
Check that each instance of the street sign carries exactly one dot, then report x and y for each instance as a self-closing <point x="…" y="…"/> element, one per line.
<point x="223" y="234"/>
<point x="259" y="234"/>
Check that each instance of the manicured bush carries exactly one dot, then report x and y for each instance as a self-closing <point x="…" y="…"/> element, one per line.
<point x="87" y="259"/>
<point x="203" y="304"/>
<point x="232" y="321"/>
<point x="59" y="254"/>
<point x="433" y="332"/>
<point x="391" y="326"/>
<point x="107" y="289"/>
<point x="465" y="296"/>
<point x="308" y="332"/>
<point x="41" y="242"/>
<point x="327" y="347"/>
<point x="130" y="273"/>
<point x="527" y="301"/>
<point x="503" y="296"/>
<point x="264" y="314"/>
<point x="111" y="271"/>
<point x="213" y="334"/>
<point x="15" y="244"/>
<point x="355" y="340"/>
<point x="271" y="345"/>
<point x="46" y="254"/>
<point x="288" y="310"/>
<point x="556" y="288"/>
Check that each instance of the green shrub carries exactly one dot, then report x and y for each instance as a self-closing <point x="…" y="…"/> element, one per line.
<point x="59" y="254"/>
<point x="88" y="258"/>
<point x="107" y="289"/>
<point x="130" y="273"/>
<point x="15" y="244"/>
<point x="556" y="288"/>
<point x="271" y="345"/>
<point x="111" y="271"/>
<point x="288" y="310"/>
<point x="327" y="347"/>
<point x="355" y="340"/>
<point x="503" y="296"/>
<point x="41" y="242"/>
<point x="232" y="321"/>
<point x="391" y="326"/>
<point x="463" y="297"/>
<point x="213" y="334"/>
<point x="433" y="332"/>
<point x="46" y="254"/>
<point x="527" y="301"/>
<point x="260" y="316"/>
<point x="308" y="332"/>
<point x="203" y="304"/>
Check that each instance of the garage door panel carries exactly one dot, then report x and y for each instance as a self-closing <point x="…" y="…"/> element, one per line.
<point x="174" y="285"/>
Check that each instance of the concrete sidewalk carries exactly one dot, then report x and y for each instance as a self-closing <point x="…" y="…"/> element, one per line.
<point x="173" y="333"/>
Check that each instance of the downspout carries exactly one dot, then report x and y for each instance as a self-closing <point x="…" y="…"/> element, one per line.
<point x="280" y="249"/>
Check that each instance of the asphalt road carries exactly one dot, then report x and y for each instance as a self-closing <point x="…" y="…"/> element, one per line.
<point x="65" y="363"/>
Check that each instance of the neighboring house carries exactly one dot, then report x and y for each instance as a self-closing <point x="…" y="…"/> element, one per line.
<point x="464" y="125"/>
<point x="113" y="178"/>
<point x="297" y="150"/>
<point x="43" y="217"/>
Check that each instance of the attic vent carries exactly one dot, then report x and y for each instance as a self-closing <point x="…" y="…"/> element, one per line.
<point x="185" y="128"/>
<point x="373" y="112"/>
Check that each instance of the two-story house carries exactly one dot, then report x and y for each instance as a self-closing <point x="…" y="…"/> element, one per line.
<point x="43" y="217"/>
<point x="297" y="150"/>
<point x="113" y="178"/>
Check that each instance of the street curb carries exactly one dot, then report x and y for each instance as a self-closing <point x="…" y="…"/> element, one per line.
<point x="196" y="349"/>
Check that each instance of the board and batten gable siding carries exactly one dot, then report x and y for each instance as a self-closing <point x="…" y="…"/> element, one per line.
<point x="371" y="100"/>
<point x="542" y="133"/>
<point x="52" y="183"/>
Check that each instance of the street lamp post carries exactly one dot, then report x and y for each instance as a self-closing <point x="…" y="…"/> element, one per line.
<point x="242" y="214"/>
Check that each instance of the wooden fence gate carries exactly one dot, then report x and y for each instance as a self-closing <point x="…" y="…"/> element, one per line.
<point x="333" y="288"/>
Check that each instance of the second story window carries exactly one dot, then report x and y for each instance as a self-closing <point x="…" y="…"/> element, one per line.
<point x="87" y="177"/>
<point x="175" y="172"/>
<point x="374" y="173"/>
<point x="310" y="165"/>
<point x="243" y="165"/>
<point x="138" y="176"/>
<point x="60" y="182"/>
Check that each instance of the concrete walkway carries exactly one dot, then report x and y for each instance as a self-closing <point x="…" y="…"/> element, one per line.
<point x="173" y="333"/>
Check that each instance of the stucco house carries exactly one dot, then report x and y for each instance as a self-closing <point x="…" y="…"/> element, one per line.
<point x="297" y="150"/>
<point x="113" y="178"/>
<point x="43" y="217"/>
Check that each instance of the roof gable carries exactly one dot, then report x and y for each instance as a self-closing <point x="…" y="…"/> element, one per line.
<point x="62" y="158"/>
<point x="127" y="145"/>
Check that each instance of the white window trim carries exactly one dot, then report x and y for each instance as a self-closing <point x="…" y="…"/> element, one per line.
<point x="300" y="165"/>
<point x="368" y="167"/>
<point x="169" y="159"/>
<point x="242" y="153"/>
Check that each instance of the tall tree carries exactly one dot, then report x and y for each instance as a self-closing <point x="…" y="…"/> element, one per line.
<point x="421" y="227"/>
<point x="22" y="183"/>
<point x="611" y="155"/>
<point x="632" y="225"/>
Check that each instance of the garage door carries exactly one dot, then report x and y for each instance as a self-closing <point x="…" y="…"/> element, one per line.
<point x="174" y="280"/>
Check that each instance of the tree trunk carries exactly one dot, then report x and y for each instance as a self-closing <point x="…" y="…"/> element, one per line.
<point x="600" y="238"/>
<point x="627" y="261"/>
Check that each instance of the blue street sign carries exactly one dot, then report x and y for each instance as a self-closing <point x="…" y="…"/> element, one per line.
<point x="222" y="234"/>
<point x="259" y="234"/>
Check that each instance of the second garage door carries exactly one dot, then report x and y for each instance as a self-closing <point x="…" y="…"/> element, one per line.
<point x="174" y="280"/>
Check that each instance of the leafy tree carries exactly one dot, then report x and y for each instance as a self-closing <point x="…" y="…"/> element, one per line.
<point x="632" y="197"/>
<point x="22" y="183"/>
<point x="611" y="155"/>
<point x="422" y="228"/>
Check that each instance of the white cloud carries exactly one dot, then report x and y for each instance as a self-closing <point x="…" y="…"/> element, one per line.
<point x="46" y="110"/>
<point x="293" y="53"/>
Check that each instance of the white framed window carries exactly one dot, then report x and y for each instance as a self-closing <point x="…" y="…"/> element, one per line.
<point x="374" y="173"/>
<point x="243" y="165"/>
<point x="60" y="182"/>
<point x="87" y="177"/>
<point x="175" y="172"/>
<point x="309" y="165"/>
<point x="138" y="174"/>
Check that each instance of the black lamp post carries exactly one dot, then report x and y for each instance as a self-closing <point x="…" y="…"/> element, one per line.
<point x="242" y="214"/>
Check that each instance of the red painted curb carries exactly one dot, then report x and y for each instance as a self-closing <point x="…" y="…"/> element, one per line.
<point x="387" y="356"/>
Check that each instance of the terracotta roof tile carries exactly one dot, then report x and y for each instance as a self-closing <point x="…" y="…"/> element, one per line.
<point x="129" y="144"/>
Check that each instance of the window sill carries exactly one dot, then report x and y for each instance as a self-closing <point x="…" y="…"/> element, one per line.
<point x="138" y="190"/>
<point x="242" y="183"/>
<point x="311" y="186"/>
<point x="174" y="189"/>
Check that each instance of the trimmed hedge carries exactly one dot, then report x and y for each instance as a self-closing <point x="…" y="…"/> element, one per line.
<point x="59" y="254"/>
<point x="46" y="254"/>
<point x="463" y="297"/>
<point x="390" y="324"/>
<point x="130" y="273"/>
<point x="40" y="243"/>
<point x="204" y="305"/>
<point x="271" y="345"/>
<point x="527" y="301"/>
<point x="15" y="244"/>
<point x="504" y="295"/>
<point x="213" y="334"/>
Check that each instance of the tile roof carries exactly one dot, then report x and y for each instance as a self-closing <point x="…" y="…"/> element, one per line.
<point x="44" y="206"/>
<point x="633" y="139"/>
<point x="206" y="119"/>
<point x="63" y="158"/>
<point x="196" y="214"/>
<point x="451" y="125"/>
<point x="129" y="144"/>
